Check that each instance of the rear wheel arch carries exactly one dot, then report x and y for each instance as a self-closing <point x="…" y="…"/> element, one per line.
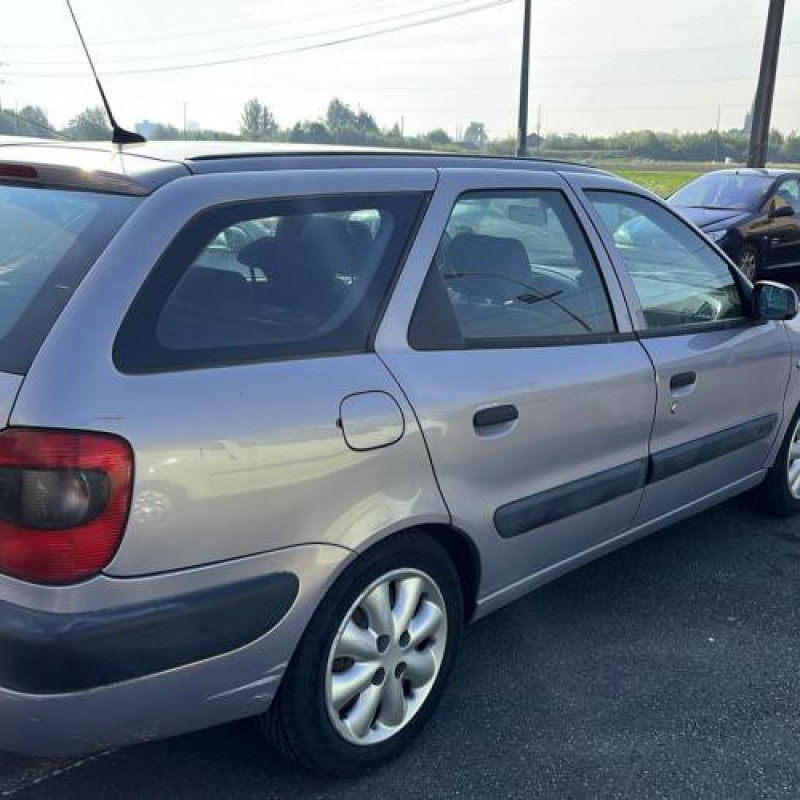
<point x="298" y="722"/>
<point x="459" y="546"/>
<point x="465" y="556"/>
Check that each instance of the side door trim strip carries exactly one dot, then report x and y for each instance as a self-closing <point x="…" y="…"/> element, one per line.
<point x="531" y="512"/>
<point x="674" y="460"/>
<point x="521" y="516"/>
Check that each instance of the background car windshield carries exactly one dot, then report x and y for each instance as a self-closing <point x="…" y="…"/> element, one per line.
<point x="48" y="241"/>
<point x="723" y="190"/>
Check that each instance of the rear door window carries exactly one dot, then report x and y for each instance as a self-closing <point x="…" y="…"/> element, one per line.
<point x="265" y="280"/>
<point x="49" y="239"/>
<point x="513" y="269"/>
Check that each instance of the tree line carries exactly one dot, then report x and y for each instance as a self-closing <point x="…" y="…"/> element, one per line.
<point x="342" y="124"/>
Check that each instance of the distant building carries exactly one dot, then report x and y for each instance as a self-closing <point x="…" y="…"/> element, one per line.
<point x="748" y="122"/>
<point x="145" y="128"/>
<point x="533" y="141"/>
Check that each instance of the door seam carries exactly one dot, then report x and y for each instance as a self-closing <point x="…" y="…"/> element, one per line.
<point x="422" y="434"/>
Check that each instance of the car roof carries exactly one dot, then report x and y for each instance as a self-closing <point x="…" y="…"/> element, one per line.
<point x="144" y="167"/>
<point x="91" y="166"/>
<point x="764" y="172"/>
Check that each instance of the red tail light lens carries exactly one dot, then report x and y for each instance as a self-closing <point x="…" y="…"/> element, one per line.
<point x="17" y="171"/>
<point x="64" y="500"/>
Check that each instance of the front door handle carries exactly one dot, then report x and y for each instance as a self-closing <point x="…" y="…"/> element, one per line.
<point x="682" y="380"/>
<point x="495" y="415"/>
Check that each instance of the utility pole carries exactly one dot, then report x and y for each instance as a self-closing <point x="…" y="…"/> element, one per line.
<point x="762" y="107"/>
<point x="522" y="125"/>
<point x="184" y="120"/>
<point x="716" y="137"/>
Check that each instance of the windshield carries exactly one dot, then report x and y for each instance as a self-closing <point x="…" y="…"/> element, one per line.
<point x="723" y="190"/>
<point x="49" y="239"/>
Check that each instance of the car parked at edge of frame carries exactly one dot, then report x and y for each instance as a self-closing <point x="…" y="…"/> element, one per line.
<point x="277" y="423"/>
<point x="752" y="214"/>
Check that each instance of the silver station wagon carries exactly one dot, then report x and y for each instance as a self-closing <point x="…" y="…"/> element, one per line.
<point x="276" y="423"/>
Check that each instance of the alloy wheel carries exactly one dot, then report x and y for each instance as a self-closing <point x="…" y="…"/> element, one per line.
<point x="386" y="656"/>
<point x="748" y="264"/>
<point x="793" y="463"/>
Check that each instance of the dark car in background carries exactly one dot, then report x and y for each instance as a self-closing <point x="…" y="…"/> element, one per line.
<point x="752" y="214"/>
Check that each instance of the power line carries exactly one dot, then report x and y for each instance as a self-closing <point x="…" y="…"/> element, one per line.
<point x="302" y="49"/>
<point x="183" y="34"/>
<point x="281" y="40"/>
<point x="453" y="60"/>
<point x="216" y="30"/>
<point x="492" y="87"/>
<point x="370" y="23"/>
<point x="663" y="51"/>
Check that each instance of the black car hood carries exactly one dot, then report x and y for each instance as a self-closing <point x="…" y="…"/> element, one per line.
<point x="714" y="217"/>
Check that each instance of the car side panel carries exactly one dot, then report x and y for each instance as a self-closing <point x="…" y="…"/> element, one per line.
<point x="784" y="242"/>
<point x="791" y="400"/>
<point x="236" y="460"/>
<point x="732" y="413"/>
<point x="584" y="411"/>
<point x="240" y="460"/>
<point x="717" y="430"/>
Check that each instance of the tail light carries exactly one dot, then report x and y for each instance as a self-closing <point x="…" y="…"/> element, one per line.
<point x="64" y="501"/>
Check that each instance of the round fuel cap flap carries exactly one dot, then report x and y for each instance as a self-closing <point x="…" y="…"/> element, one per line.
<point x="370" y="420"/>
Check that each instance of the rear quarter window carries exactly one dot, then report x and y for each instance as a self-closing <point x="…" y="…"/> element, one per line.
<point x="49" y="239"/>
<point x="269" y="280"/>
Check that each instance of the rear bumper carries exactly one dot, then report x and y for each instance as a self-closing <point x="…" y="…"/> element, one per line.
<point x="46" y="653"/>
<point x="83" y="681"/>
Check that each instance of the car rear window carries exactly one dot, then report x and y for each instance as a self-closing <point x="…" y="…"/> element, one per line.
<point x="276" y="279"/>
<point x="49" y="239"/>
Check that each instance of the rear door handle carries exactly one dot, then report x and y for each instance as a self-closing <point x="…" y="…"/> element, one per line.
<point x="496" y="415"/>
<point x="682" y="380"/>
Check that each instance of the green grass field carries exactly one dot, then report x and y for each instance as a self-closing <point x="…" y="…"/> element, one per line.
<point x="663" y="182"/>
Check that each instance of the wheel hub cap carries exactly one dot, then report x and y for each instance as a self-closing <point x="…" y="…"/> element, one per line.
<point x="793" y="465"/>
<point x="385" y="657"/>
<point x="748" y="264"/>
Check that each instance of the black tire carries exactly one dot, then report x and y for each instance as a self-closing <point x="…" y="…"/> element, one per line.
<point x="297" y="724"/>
<point x="750" y="262"/>
<point x="773" y="496"/>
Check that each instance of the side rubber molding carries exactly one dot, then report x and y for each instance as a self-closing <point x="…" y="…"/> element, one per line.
<point x="539" y="509"/>
<point x="528" y="513"/>
<point x="46" y="653"/>
<point x="685" y="456"/>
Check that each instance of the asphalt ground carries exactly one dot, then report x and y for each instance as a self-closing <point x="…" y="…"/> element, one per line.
<point x="668" y="669"/>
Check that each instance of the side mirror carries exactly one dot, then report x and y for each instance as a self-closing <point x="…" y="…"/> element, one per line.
<point x="781" y="211"/>
<point x="774" y="301"/>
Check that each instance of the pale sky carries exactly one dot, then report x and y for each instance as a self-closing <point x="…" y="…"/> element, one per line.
<point x="598" y="66"/>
